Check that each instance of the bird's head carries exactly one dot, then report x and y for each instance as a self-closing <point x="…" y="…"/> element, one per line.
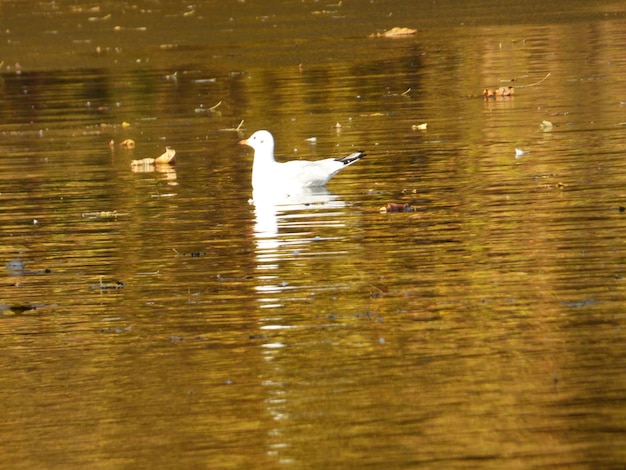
<point x="260" y="140"/>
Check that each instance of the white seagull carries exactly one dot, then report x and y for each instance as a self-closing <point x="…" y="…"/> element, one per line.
<point x="268" y="174"/>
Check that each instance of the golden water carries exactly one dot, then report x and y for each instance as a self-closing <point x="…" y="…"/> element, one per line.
<point x="160" y="320"/>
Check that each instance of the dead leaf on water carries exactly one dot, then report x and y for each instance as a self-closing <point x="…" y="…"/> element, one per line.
<point x="163" y="164"/>
<point x="102" y="215"/>
<point x="545" y="126"/>
<point x="397" y="32"/>
<point x="142" y="162"/>
<point x="168" y="157"/>
<point x="505" y="91"/>
<point x="395" y="207"/>
<point x="502" y="91"/>
<point x="124" y="28"/>
<point x="94" y="19"/>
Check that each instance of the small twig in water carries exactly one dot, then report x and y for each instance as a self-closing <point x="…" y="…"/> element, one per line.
<point x="533" y="84"/>
<point x="233" y="129"/>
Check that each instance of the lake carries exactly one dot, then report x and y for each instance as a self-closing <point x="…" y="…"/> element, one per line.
<point x="453" y="300"/>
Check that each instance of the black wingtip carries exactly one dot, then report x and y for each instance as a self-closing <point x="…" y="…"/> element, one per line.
<point x="353" y="157"/>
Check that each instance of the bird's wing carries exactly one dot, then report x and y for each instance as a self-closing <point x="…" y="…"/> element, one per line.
<point x="309" y="174"/>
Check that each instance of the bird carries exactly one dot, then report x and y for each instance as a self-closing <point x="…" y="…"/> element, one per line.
<point x="268" y="174"/>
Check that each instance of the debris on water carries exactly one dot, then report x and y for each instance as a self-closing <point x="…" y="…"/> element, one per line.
<point x="501" y="91"/>
<point x="142" y="162"/>
<point x="15" y="265"/>
<point x="396" y="207"/>
<point x="95" y="19"/>
<point x="420" y="127"/>
<point x="172" y="76"/>
<point x="212" y="109"/>
<point x="166" y="158"/>
<point x="102" y="215"/>
<point x="377" y="292"/>
<point x="579" y="303"/>
<point x="237" y="129"/>
<point x="116" y="330"/>
<point x="404" y="94"/>
<point x="104" y="286"/>
<point x="193" y="254"/>
<point x="396" y="32"/>
<point x="21" y="308"/>
<point x="520" y="152"/>
<point x="507" y="91"/>
<point x="18" y="267"/>
<point x="545" y="126"/>
<point x="127" y="144"/>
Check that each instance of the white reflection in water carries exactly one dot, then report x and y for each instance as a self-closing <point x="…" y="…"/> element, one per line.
<point x="285" y="226"/>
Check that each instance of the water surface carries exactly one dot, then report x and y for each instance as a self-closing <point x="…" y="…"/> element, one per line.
<point x="161" y="319"/>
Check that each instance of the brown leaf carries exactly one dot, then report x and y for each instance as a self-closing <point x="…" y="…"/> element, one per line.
<point x="143" y="162"/>
<point x="168" y="157"/>
<point x="396" y="32"/>
<point x="127" y="144"/>
<point x="502" y="91"/>
<point x="395" y="207"/>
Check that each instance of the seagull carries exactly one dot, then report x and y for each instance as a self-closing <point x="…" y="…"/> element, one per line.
<point x="268" y="174"/>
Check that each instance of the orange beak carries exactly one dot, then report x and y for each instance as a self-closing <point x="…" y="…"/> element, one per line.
<point x="243" y="142"/>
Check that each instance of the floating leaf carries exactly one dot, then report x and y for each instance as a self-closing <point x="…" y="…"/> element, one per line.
<point x="508" y="91"/>
<point x="502" y="91"/>
<point x="545" y="126"/>
<point x="396" y="32"/>
<point x="168" y="157"/>
<point x="127" y="144"/>
<point x="396" y="207"/>
<point x="94" y="19"/>
<point x="102" y="215"/>
<point x="142" y="162"/>
<point x="114" y="285"/>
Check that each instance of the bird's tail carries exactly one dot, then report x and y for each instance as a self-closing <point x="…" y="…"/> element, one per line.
<point x="353" y="157"/>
